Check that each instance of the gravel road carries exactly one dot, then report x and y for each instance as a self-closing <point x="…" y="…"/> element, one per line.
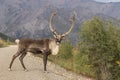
<point x="34" y="66"/>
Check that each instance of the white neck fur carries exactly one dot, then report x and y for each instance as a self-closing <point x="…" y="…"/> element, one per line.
<point x="54" y="47"/>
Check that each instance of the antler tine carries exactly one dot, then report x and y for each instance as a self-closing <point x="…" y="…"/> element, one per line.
<point x="51" y="26"/>
<point x="72" y="25"/>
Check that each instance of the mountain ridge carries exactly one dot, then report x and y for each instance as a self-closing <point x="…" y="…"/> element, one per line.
<point x="28" y="18"/>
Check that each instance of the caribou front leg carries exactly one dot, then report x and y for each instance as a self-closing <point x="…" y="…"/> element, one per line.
<point x="45" y="57"/>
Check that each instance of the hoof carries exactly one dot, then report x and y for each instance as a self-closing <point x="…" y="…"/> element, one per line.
<point x="46" y="71"/>
<point x="9" y="69"/>
<point x="25" y="70"/>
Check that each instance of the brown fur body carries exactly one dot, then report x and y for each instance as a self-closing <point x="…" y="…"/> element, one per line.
<point x="34" y="46"/>
<point x="42" y="46"/>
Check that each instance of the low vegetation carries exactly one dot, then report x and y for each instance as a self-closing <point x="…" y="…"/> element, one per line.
<point x="4" y="43"/>
<point x="5" y="40"/>
<point x="72" y="59"/>
<point x="97" y="53"/>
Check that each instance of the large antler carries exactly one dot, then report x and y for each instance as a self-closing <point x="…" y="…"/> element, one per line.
<point x="51" y="26"/>
<point x="72" y="25"/>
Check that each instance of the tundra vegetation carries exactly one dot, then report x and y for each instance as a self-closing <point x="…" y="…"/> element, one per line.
<point x="4" y="43"/>
<point x="97" y="53"/>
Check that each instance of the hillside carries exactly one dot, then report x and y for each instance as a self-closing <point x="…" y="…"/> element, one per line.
<point x="5" y="37"/>
<point x="29" y="18"/>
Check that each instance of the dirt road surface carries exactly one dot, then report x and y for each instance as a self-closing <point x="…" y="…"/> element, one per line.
<point x="34" y="66"/>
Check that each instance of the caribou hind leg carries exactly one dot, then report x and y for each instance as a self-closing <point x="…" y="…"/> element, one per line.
<point x="19" y="52"/>
<point x="13" y="58"/>
<point x="21" y="60"/>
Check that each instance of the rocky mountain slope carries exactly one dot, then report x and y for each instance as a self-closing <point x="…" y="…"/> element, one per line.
<point x="30" y="18"/>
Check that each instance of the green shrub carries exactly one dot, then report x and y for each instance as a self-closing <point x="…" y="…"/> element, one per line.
<point x="64" y="58"/>
<point x="101" y="42"/>
<point x="65" y="50"/>
<point x="71" y="58"/>
<point x="81" y="63"/>
<point x="2" y="42"/>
